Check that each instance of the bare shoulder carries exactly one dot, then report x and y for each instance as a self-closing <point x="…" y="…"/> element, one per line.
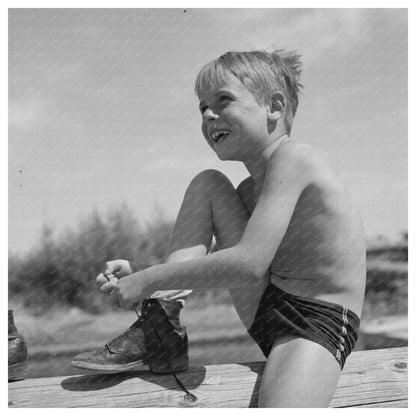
<point x="301" y="154"/>
<point x="302" y="160"/>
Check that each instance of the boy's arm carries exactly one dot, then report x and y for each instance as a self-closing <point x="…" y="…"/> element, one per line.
<point x="289" y="172"/>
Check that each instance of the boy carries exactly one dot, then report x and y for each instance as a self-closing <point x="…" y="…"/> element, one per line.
<point x="291" y="247"/>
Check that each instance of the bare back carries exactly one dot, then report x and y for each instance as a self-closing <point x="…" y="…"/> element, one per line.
<point x="322" y="254"/>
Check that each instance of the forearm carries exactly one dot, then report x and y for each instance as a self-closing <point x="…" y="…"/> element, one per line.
<point x="224" y="269"/>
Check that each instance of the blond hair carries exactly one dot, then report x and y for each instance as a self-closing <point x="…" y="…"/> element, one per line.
<point x="261" y="73"/>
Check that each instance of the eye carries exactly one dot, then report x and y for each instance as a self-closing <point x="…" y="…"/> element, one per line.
<point x="224" y="98"/>
<point x="203" y="108"/>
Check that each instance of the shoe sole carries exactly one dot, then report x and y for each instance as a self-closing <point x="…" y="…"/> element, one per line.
<point x="106" y="368"/>
<point x="18" y="371"/>
<point x="158" y="367"/>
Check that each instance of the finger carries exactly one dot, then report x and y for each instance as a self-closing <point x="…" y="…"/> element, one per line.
<point x="101" y="279"/>
<point x="110" y="286"/>
<point x="109" y="277"/>
<point x="107" y="287"/>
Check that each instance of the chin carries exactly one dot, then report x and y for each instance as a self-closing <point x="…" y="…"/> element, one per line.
<point x="222" y="157"/>
<point x="230" y="158"/>
<point x="228" y="154"/>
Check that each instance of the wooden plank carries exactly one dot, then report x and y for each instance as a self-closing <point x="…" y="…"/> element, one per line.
<point x="394" y="404"/>
<point x="375" y="378"/>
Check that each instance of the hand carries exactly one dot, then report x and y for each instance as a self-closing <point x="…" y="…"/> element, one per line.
<point x="117" y="268"/>
<point x="129" y="291"/>
<point x="132" y="290"/>
<point x="114" y="270"/>
<point x="108" y="280"/>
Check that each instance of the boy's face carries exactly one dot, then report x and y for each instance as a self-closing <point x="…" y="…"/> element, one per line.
<point x="233" y="123"/>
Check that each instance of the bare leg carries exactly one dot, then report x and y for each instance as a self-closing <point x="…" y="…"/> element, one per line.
<point x="212" y="207"/>
<point x="298" y="373"/>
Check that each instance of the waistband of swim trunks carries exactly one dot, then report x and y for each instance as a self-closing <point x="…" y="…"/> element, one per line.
<point x="317" y="302"/>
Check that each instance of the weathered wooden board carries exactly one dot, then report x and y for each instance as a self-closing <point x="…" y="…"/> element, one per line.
<point x="374" y="378"/>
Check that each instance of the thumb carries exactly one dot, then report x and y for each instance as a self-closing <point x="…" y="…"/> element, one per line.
<point x="110" y="287"/>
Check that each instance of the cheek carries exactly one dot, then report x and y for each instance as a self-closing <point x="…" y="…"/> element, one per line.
<point x="237" y="117"/>
<point x="204" y="133"/>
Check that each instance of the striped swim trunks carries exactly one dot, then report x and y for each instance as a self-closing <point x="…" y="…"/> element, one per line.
<point x="279" y="313"/>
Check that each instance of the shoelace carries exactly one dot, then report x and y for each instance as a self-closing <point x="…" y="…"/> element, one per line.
<point x="188" y="396"/>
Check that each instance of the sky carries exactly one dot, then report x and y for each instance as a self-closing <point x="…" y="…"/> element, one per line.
<point x="102" y="109"/>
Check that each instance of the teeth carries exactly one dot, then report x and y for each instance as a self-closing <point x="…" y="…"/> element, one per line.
<point x="217" y="134"/>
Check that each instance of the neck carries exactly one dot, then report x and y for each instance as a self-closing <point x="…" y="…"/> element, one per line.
<point x="257" y="163"/>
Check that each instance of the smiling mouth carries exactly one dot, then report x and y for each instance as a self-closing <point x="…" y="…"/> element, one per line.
<point x="220" y="135"/>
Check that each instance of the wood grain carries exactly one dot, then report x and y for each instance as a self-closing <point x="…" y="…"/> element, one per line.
<point x="372" y="378"/>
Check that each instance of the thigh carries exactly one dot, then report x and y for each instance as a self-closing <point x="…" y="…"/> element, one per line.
<point x="298" y="373"/>
<point x="211" y="206"/>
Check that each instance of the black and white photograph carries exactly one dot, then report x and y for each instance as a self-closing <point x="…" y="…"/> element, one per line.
<point x="207" y="207"/>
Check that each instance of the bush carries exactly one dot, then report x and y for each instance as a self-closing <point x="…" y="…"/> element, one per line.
<point x="61" y="270"/>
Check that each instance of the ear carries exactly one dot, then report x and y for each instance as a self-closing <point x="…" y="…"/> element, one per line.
<point x="277" y="106"/>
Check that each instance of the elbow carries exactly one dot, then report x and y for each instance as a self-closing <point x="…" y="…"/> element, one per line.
<point x="258" y="272"/>
<point x="246" y="264"/>
<point x="254" y="269"/>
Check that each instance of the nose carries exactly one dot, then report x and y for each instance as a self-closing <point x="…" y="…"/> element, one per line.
<point x="209" y="115"/>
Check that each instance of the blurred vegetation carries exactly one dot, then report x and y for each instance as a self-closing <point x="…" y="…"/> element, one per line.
<point x="387" y="278"/>
<point x="60" y="271"/>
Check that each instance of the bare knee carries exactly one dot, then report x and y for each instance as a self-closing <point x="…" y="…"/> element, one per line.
<point x="213" y="191"/>
<point x="209" y="181"/>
